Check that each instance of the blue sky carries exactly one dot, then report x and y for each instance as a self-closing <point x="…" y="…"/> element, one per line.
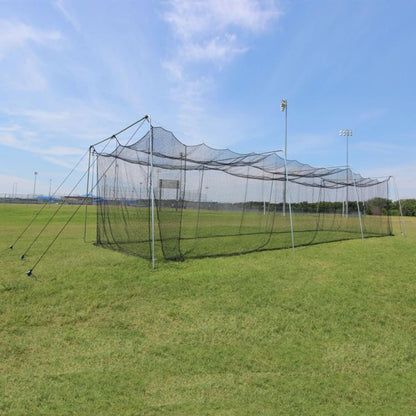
<point x="73" y="72"/>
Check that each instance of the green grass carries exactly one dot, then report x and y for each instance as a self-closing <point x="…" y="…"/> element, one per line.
<point x="325" y="330"/>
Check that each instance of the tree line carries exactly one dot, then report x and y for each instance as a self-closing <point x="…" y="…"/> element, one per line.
<point x="375" y="206"/>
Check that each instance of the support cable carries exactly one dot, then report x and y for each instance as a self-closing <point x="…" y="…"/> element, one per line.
<point x="52" y="217"/>
<point x="46" y="203"/>
<point x="30" y="271"/>
<point x="358" y="208"/>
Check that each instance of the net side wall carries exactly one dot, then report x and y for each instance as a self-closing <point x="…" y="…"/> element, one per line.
<point x="212" y="203"/>
<point x="123" y="203"/>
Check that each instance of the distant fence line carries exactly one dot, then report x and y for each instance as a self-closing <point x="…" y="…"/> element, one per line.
<point x="42" y="199"/>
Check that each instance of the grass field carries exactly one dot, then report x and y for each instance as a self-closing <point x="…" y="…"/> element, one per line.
<point x="325" y="330"/>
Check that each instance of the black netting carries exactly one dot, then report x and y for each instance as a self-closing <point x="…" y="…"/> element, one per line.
<point x="213" y="202"/>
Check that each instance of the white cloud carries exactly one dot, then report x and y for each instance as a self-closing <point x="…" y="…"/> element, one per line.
<point x="27" y="75"/>
<point x="209" y="32"/>
<point x="26" y="70"/>
<point x="59" y="4"/>
<point x="29" y="145"/>
<point x="221" y="49"/>
<point x="188" y="94"/>
<point x="11" y="141"/>
<point x="42" y="116"/>
<point x="65" y="163"/>
<point x="16" y="35"/>
<point x="190" y="18"/>
<point x="14" y="127"/>
<point x="174" y="69"/>
<point x="78" y="121"/>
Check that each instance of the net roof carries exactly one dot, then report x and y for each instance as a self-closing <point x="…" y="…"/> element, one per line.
<point x="170" y="153"/>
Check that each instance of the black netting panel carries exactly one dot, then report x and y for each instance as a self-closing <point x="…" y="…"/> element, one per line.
<point x="212" y="202"/>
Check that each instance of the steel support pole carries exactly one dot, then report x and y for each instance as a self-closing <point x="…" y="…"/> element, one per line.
<point x="358" y="207"/>
<point x="290" y="210"/>
<point x="348" y="173"/>
<point x="34" y="185"/>
<point x="86" y="195"/>
<point x="402" y="223"/>
<point x="152" y="194"/>
<point x="285" y="185"/>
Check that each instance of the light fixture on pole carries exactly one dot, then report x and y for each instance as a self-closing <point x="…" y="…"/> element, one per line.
<point x="283" y="108"/>
<point x="34" y="184"/>
<point x="347" y="133"/>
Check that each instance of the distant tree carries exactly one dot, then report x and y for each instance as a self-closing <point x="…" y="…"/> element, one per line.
<point x="378" y="206"/>
<point x="408" y="207"/>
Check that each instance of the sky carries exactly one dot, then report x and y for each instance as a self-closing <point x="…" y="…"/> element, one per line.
<point x="73" y="72"/>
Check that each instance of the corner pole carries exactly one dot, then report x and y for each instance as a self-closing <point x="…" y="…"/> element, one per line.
<point x="358" y="207"/>
<point x="285" y="193"/>
<point x="402" y="223"/>
<point x="98" y="203"/>
<point x="290" y="207"/>
<point x="283" y="107"/>
<point x="152" y="195"/>
<point x="86" y="194"/>
<point x="263" y="193"/>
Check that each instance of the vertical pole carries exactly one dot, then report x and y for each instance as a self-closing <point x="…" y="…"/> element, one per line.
<point x="263" y="193"/>
<point x="402" y="223"/>
<point x="86" y="195"/>
<point x="286" y="130"/>
<point x="152" y="196"/>
<point x="34" y="185"/>
<point x="245" y="201"/>
<point x="348" y="173"/>
<point x="319" y="205"/>
<point x="346" y="133"/>
<point x="285" y="185"/>
<point x="290" y="209"/>
<point x="358" y="207"/>
<point x="98" y="204"/>
<point x="201" y="173"/>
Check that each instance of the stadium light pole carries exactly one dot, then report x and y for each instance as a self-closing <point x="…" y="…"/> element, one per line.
<point x="283" y="108"/>
<point x="34" y="184"/>
<point x="347" y="133"/>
